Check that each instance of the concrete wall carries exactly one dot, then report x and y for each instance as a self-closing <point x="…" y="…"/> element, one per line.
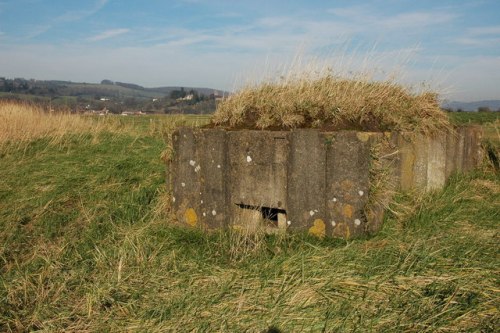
<point x="304" y="179"/>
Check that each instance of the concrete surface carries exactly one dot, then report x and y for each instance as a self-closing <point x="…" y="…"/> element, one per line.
<point x="305" y="179"/>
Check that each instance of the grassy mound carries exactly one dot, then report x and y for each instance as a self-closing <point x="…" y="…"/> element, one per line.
<point x="331" y="103"/>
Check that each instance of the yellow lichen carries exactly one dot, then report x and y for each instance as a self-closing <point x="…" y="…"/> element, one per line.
<point x="348" y="211"/>
<point x="190" y="217"/>
<point x="342" y="230"/>
<point x="318" y="229"/>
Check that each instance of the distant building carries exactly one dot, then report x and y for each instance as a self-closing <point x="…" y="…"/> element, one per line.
<point x="132" y="113"/>
<point x="186" y="98"/>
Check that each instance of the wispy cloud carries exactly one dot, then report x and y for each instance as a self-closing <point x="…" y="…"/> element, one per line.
<point x="38" y="30"/>
<point x="481" y="36"/>
<point x="368" y="16"/>
<point x="417" y="19"/>
<point x="490" y="30"/>
<point x="76" y="15"/>
<point x="108" y="34"/>
<point x="484" y="42"/>
<point x="69" y="16"/>
<point x="265" y="34"/>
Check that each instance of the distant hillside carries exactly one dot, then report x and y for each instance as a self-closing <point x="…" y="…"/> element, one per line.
<point x="107" y="88"/>
<point x="116" y="97"/>
<point x="494" y="105"/>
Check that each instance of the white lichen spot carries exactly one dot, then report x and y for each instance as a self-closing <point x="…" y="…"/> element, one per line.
<point x="315" y="210"/>
<point x="192" y="163"/>
<point x="198" y="168"/>
<point x="214" y="212"/>
<point x="173" y="199"/>
<point x="183" y="184"/>
<point x="184" y="136"/>
<point x="249" y="159"/>
<point x="357" y="222"/>
<point x="288" y="222"/>
<point x="201" y="201"/>
<point x="334" y="223"/>
<point x="311" y="212"/>
<point x="204" y="214"/>
<point x="361" y="193"/>
<point x="334" y="199"/>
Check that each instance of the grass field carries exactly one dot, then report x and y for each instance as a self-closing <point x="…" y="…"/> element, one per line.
<point x="87" y="245"/>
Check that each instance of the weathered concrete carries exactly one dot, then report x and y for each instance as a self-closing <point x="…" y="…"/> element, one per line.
<point x="348" y="182"/>
<point x="306" y="182"/>
<point x="436" y="162"/>
<point x="257" y="162"/>
<point x="258" y="174"/>
<point x="305" y="179"/>
<point x="199" y="177"/>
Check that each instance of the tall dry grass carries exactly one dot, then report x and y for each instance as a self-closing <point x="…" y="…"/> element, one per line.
<point x="23" y="122"/>
<point x="322" y="99"/>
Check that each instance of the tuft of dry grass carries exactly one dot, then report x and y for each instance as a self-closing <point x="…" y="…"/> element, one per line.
<point x="331" y="102"/>
<point x="24" y="122"/>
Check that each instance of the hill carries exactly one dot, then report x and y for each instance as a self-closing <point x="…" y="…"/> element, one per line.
<point x="114" y="96"/>
<point x="106" y="88"/>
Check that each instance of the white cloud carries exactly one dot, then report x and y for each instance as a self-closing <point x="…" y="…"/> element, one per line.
<point x="491" y="30"/>
<point x="476" y="41"/>
<point x="108" y="34"/>
<point x="69" y="16"/>
<point x="352" y="12"/>
<point x="417" y="19"/>
<point x="274" y="21"/>
<point x="369" y="17"/>
<point x="480" y="36"/>
<point x="76" y="15"/>
<point x="267" y="34"/>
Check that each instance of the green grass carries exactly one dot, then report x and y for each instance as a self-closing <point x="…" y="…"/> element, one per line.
<point x="473" y="117"/>
<point x="86" y="244"/>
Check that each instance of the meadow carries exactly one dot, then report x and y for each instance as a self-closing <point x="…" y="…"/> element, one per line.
<point x="88" y="244"/>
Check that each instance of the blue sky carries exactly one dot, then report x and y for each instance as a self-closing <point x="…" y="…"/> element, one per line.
<point x="453" y="46"/>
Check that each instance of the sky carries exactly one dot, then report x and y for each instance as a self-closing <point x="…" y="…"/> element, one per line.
<point x="451" y="46"/>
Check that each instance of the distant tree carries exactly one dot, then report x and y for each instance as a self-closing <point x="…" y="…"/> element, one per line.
<point x="107" y="82"/>
<point x="131" y="103"/>
<point x="8" y="86"/>
<point x="460" y="110"/>
<point x="483" y="109"/>
<point x="115" y="108"/>
<point x="174" y="94"/>
<point x="129" y="85"/>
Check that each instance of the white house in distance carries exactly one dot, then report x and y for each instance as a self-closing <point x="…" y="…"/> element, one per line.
<point x="186" y="98"/>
